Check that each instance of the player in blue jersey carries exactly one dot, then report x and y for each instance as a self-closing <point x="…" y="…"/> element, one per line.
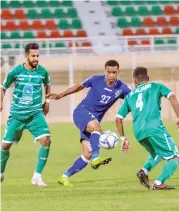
<point x="105" y="91"/>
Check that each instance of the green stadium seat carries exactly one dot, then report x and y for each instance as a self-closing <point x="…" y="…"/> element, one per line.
<point x="6" y="46"/>
<point x="53" y="3"/>
<point x="59" y="45"/>
<point x="117" y="11"/>
<point x="68" y="3"/>
<point x="175" y="1"/>
<point x="15" y="35"/>
<point x="15" y="4"/>
<point x="76" y="24"/>
<point x="113" y="3"/>
<point x="28" y="4"/>
<point x="124" y="2"/>
<point x="4" y="35"/>
<point x="136" y="22"/>
<point x="159" y="42"/>
<point x="17" y="46"/>
<point x="143" y="11"/>
<point x="122" y="23"/>
<point x="32" y="14"/>
<point x="59" y="13"/>
<point x="164" y="2"/>
<point x="156" y="10"/>
<point x="64" y="24"/>
<point x="45" y="45"/>
<point x="151" y="2"/>
<point x="28" y="35"/>
<point x="46" y="13"/>
<point x="4" y="5"/>
<point x="130" y="11"/>
<point x="172" y="41"/>
<point x="72" y="13"/>
<point x="138" y="2"/>
<point x="177" y="31"/>
<point x="41" y="3"/>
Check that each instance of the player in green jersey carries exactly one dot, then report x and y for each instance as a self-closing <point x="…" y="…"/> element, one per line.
<point x="144" y="102"/>
<point x="27" y="110"/>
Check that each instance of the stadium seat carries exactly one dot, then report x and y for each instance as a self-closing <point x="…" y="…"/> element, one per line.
<point x="113" y="3"/>
<point x="17" y="46"/>
<point x="151" y="2"/>
<point x="161" y="21"/>
<point x="81" y="33"/>
<point x="6" y="46"/>
<point x="41" y="34"/>
<point x="153" y="31"/>
<point x="15" y="35"/>
<point x="167" y="31"/>
<point x="159" y="42"/>
<point x="4" y="4"/>
<point x="72" y="13"/>
<point x="68" y="34"/>
<point x="55" y="34"/>
<point x="172" y="41"/>
<point x="50" y="24"/>
<point x="19" y="14"/>
<point x="68" y="3"/>
<point x="64" y="24"/>
<point x="164" y="2"/>
<point x="28" y="35"/>
<point x="122" y="23"/>
<point x="6" y="14"/>
<point x="148" y="22"/>
<point x="130" y="11"/>
<point x="4" y="35"/>
<point x="41" y="3"/>
<point x="10" y="25"/>
<point x="117" y="11"/>
<point x="24" y="25"/>
<point x="137" y="2"/>
<point x="143" y="11"/>
<point x="71" y="44"/>
<point x="54" y="3"/>
<point x="59" y="13"/>
<point x="45" y="45"/>
<point x="169" y="10"/>
<point x="15" y="4"/>
<point x="140" y="31"/>
<point x="86" y="44"/>
<point x="32" y="14"/>
<point x="132" y="42"/>
<point x="128" y="32"/>
<point x="76" y="24"/>
<point x="37" y="25"/>
<point x="59" y="45"/>
<point x="145" y="42"/>
<point x="156" y="10"/>
<point x="174" y="21"/>
<point x="136" y="22"/>
<point x="124" y="2"/>
<point x="28" y="4"/>
<point x="46" y="13"/>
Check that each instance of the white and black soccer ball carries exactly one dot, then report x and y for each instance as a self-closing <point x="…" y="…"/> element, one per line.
<point x="108" y="140"/>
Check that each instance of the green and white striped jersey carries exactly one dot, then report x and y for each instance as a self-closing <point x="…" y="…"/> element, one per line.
<point x="27" y="95"/>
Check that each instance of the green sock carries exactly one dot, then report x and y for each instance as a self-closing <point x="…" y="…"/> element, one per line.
<point x="4" y="158"/>
<point x="168" y="170"/>
<point x="42" y="158"/>
<point x="152" y="162"/>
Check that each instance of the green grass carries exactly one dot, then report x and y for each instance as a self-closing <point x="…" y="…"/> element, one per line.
<point x="112" y="187"/>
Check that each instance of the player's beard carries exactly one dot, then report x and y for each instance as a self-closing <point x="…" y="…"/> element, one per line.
<point x="33" y="64"/>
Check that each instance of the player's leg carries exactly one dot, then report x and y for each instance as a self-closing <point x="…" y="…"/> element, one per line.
<point x="79" y="164"/>
<point x="165" y="148"/>
<point x="12" y="135"/>
<point x="40" y="130"/>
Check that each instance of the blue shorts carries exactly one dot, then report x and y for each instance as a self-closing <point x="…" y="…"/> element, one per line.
<point x="81" y="118"/>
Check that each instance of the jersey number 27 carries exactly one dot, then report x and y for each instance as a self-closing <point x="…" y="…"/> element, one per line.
<point x="139" y="102"/>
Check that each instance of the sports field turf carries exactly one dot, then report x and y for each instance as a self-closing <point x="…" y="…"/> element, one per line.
<point x="112" y="187"/>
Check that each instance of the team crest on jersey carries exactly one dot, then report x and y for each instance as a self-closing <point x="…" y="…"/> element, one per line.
<point x="117" y="93"/>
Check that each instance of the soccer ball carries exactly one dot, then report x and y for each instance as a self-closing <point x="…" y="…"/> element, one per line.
<point x="108" y="140"/>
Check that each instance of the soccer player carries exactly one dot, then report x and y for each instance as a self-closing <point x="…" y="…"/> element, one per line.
<point x="144" y="102"/>
<point x="104" y="91"/>
<point x="27" y="111"/>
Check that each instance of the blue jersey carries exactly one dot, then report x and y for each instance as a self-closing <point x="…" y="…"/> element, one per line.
<point x="101" y="97"/>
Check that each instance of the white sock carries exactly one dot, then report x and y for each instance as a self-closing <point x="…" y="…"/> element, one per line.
<point x="37" y="174"/>
<point x="157" y="182"/>
<point x="64" y="175"/>
<point x="145" y="171"/>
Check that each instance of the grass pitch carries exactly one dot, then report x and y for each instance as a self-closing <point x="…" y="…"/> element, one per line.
<point x="113" y="187"/>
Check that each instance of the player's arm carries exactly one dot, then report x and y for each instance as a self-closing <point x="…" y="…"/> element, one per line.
<point x="47" y="88"/>
<point x="122" y="113"/>
<point x="5" y="85"/>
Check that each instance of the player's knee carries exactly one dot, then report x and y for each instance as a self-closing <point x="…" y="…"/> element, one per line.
<point x="87" y="155"/>
<point x="45" y="141"/>
<point x="97" y="128"/>
<point x="176" y="158"/>
<point x="6" y="146"/>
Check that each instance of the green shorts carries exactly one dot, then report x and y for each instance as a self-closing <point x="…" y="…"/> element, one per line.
<point x="161" y="145"/>
<point x="36" y="124"/>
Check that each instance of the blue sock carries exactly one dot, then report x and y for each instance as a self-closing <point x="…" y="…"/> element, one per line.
<point x="79" y="164"/>
<point x="95" y="146"/>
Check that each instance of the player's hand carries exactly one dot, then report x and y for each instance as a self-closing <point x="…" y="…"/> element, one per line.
<point x="125" y="146"/>
<point x="177" y="123"/>
<point x="54" y="96"/>
<point x="46" y="107"/>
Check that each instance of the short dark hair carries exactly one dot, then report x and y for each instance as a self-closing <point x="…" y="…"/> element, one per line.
<point x="141" y="73"/>
<point x="111" y="63"/>
<point x="31" y="46"/>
